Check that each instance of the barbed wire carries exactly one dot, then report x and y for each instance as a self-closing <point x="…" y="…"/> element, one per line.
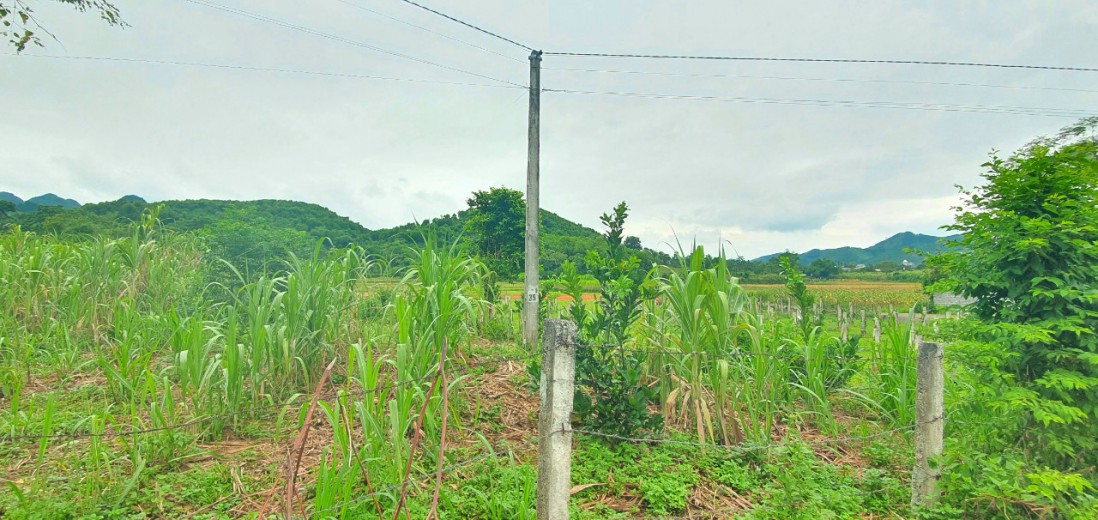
<point x="792" y="355"/>
<point x="741" y="447"/>
<point x="229" y="415"/>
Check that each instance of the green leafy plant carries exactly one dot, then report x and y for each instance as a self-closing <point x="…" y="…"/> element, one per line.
<point x="611" y="392"/>
<point x="1028" y="256"/>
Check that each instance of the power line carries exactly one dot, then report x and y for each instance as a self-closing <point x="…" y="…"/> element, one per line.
<point x="263" y="69"/>
<point x="819" y="60"/>
<point x="1034" y="111"/>
<point x="467" y="24"/>
<point x="840" y="80"/>
<point x="340" y="39"/>
<point x="432" y="31"/>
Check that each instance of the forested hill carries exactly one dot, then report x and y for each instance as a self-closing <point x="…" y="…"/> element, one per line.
<point x="561" y="239"/>
<point x="253" y="232"/>
<point x="33" y="203"/>
<point x="891" y="249"/>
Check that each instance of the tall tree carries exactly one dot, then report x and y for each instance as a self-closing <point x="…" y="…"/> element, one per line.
<point x="496" y="228"/>
<point x="825" y="268"/>
<point x="1029" y="256"/>
<point x="19" y="24"/>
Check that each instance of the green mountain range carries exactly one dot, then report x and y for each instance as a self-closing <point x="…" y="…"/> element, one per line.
<point x="33" y="203"/>
<point x="891" y="249"/>
<point x="251" y="233"/>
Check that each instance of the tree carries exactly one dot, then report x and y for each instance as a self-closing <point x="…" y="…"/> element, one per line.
<point x="794" y="283"/>
<point x="19" y="25"/>
<point x="7" y="207"/>
<point x="611" y="396"/>
<point x="634" y="243"/>
<point x="1029" y="256"/>
<point x="497" y="229"/>
<point x="824" y="268"/>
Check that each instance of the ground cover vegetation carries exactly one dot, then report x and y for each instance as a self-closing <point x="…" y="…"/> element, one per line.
<point x="143" y="375"/>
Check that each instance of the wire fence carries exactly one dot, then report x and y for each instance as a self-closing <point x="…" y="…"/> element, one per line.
<point x="788" y="355"/>
<point x="747" y="447"/>
<point x="362" y="393"/>
<point x="494" y="452"/>
<point x="743" y="447"/>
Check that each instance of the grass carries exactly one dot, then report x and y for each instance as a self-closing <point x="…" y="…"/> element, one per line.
<point x="106" y="336"/>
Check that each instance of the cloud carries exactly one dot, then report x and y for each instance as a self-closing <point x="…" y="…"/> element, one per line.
<point x="768" y="177"/>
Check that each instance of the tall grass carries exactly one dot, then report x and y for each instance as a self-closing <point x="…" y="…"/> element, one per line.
<point x="893" y="365"/>
<point x="133" y="312"/>
<point x="705" y="307"/>
<point x="764" y="370"/>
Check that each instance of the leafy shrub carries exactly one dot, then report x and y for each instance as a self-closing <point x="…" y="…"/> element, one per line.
<point x="611" y="394"/>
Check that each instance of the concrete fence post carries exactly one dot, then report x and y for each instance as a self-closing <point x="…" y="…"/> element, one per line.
<point x="929" y="425"/>
<point x="558" y="371"/>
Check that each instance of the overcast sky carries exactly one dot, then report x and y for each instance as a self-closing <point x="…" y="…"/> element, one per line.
<point x="763" y="177"/>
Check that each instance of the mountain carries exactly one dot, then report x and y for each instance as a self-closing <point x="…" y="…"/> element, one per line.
<point x="49" y="199"/>
<point x="561" y="239"/>
<point x="252" y="233"/>
<point x="33" y="203"/>
<point x="257" y="231"/>
<point x="10" y="197"/>
<point x="890" y="249"/>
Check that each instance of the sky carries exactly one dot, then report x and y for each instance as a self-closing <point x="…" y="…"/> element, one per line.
<point x="755" y="177"/>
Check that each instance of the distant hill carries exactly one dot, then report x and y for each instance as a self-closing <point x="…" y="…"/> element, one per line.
<point x="253" y="232"/>
<point x="49" y="199"/>
<point x="890" y="249"/>
<point x="33" y="203"/>
<point x="561" y="239"/>
<point x="10" y="197"/>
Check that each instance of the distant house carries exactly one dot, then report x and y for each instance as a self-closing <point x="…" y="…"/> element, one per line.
<point x="945" y="299"/>
<point x="859" y="267"/>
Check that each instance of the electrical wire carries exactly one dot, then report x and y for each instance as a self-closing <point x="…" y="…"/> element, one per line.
<point x="341" y="39"/>
<point x="467" y="24"/>
<point x="851" y="80"/>
<point x="820" y="60"/>
<point x="1032" y="111"/>
<point x="432" y="31"/>
<point x="263" y="69"/>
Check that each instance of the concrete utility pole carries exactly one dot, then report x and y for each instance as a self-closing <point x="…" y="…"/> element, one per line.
<point x="929" y="425"/>
<point x="530" y="295"/>
<point x="558" y="374"/>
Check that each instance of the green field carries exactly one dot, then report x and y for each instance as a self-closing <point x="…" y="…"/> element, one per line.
<point x="132" y="388"/>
